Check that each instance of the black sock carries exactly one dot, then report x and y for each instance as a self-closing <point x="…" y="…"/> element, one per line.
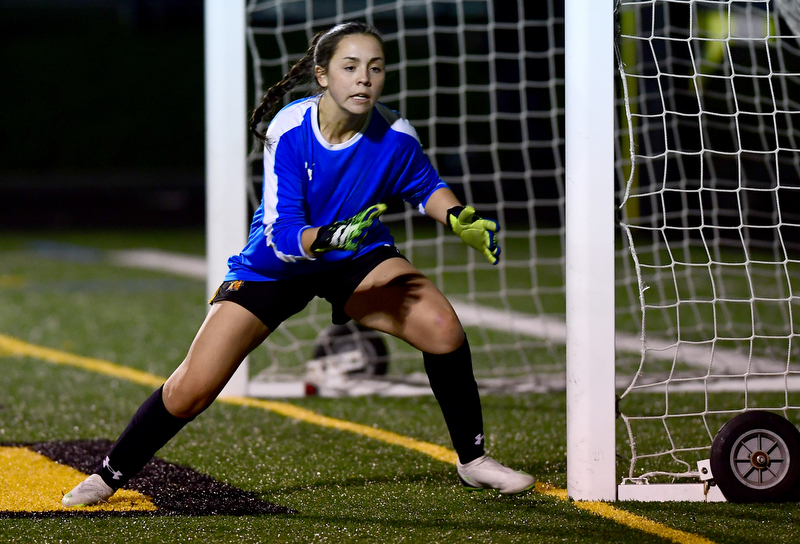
<point x="454" y="387"/>
<point x="151" y="427"/>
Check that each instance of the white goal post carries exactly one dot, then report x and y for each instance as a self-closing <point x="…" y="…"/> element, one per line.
<point x="226" y="112"/>
<point x="591" y="446"/>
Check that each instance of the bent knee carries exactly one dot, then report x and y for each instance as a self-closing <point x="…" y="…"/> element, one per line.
<point x="183" y="402"/>
<point x="444" y="333"/>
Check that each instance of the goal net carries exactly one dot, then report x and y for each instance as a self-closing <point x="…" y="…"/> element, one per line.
<point x="482" y="83"/>
<point x="708" y="164"/>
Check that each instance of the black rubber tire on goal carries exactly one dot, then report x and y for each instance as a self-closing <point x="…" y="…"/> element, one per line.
<point x="352" y="336"/>
<point x="755" y="457"/>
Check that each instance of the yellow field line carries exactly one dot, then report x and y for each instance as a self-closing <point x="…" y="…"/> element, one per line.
<point x="295" y="412"/>
<point x="15" y="347"/>
<point x="12" y="346"/>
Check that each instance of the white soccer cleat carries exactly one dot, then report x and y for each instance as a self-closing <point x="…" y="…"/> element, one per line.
<point x="486" y="473"/>
<point x="90" y="491"/>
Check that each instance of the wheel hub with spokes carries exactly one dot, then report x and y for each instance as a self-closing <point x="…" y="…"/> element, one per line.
<point x="760" y="458"/>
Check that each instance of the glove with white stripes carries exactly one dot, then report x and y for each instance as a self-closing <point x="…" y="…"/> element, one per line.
<point x="348" y="233"/>
<point x="475" y="231"/>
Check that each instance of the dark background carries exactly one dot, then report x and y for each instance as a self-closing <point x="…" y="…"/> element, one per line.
<point x="102" y="113"/>
<point x="103" y="117"/>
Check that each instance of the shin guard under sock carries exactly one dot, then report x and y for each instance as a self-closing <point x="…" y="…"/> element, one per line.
<point x="151" y="427"/>
<point x="454" y="387"/>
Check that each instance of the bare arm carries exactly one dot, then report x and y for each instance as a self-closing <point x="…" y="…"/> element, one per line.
<point x="439" y="202"/>
<point x="307" y="238"/>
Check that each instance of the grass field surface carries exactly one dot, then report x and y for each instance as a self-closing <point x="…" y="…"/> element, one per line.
<point x="336" y="464"/>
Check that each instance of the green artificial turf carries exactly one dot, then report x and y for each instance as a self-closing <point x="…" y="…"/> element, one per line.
<point x="344" y="487"/>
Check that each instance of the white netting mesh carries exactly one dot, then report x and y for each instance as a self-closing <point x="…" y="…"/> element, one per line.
<point x="482" y="83"/>
<point x="711" y="265"/>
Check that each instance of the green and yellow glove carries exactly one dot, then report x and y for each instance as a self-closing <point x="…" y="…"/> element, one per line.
<point x="475" y="231"/>
<point x="349" y="233"/>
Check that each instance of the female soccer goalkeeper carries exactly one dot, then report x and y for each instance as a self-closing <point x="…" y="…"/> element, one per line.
<point x="330" y="161"/>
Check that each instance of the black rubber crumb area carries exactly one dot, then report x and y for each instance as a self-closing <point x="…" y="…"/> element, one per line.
<point x="174" y="489"/>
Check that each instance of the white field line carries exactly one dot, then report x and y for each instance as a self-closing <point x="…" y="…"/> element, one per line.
<point x="547" y="328"/>
<point x="162" y="261"/>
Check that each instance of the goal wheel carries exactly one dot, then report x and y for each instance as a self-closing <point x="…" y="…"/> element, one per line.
<point x="351" y="336"/>
<point x="755" y="457"/>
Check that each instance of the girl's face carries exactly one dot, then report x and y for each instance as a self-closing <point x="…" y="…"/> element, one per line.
<point x="356" y="74"/>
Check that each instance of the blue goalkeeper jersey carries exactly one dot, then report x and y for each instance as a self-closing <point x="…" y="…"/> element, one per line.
<point x="309" y="182"/>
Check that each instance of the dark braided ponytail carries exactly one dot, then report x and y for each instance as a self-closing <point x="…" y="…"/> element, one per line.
<point x="301" y="72"/>
<point x="319" y="53"/>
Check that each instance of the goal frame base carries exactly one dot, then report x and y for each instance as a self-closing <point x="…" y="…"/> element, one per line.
<point x="691" y="492"/>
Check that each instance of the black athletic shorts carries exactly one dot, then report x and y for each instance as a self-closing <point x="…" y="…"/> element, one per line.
<point x="273" y="302"/>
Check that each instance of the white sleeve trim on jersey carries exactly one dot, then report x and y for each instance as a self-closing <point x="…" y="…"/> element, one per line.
<point x="440" y="185"/>
<point x="396" y="122"/>
<point x="300" y="244"/>
<point x="288" y="118"/>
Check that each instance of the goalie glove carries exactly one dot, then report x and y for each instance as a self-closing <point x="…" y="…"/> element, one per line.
<point x="475" y="231"/>
<point x="349" y="233"/>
